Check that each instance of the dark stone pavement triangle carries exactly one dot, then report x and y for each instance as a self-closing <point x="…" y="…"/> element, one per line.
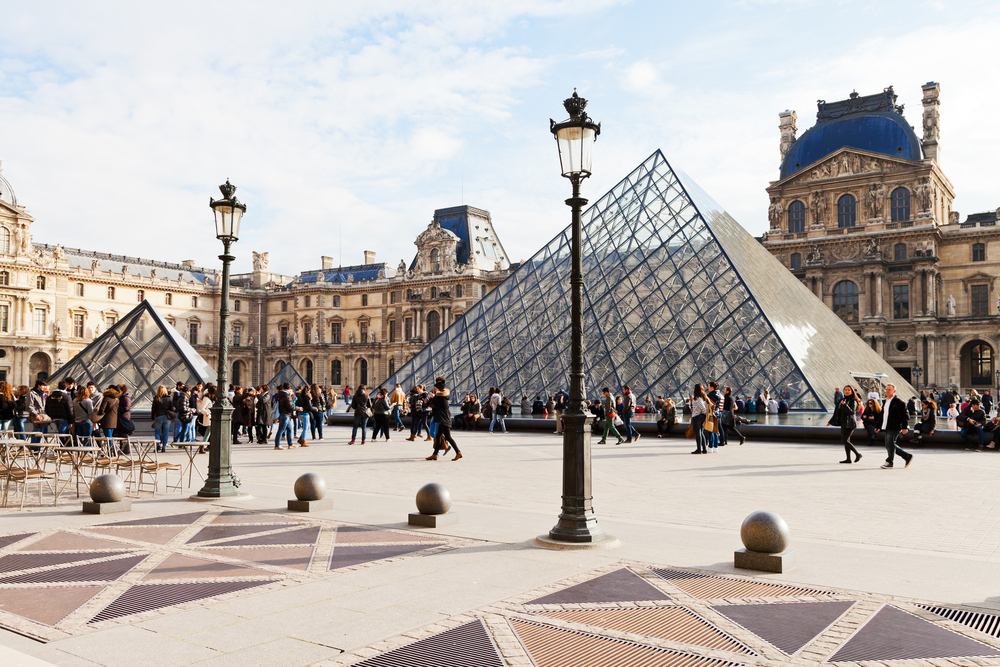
<point x="467" y="645"/>
<point x="222" y="532"/>
<point x="146" y="597"/>
<point x="622" y="585"/>
<point x="15" y="562"/>
<point x="787" y="626"/>
<point x="7" y="540"/>
<point x="355" y="555"/>
<point x="893" y="634"/>
<point x="307" y="535"/>
<point x="108" y="570"/>
<point x="172" y="519"/>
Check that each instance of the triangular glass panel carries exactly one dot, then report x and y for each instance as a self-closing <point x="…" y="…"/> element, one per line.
<point x="675" y="292"/>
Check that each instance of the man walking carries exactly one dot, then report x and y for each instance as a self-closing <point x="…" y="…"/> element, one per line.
<point x="895" y="421"/>
<point x="628" y="411"/>
<point x="286" y="413"/>
<point x="397" y="400"/>
<point x="609" y="418"/>
<point x="561" y="404"/>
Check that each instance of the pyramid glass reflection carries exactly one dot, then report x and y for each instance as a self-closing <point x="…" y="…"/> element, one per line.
<point x="675" y="292"/>
<point x="286" y="374"/>
<point x="142" y="351"/>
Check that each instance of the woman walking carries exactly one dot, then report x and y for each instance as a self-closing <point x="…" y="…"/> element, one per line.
<point x="304" y="405"/>
<point x="441" y="410"/>
<point x="362" y="406"/>
<point x="159" y="413"/>
<point x="699" y="410"/>
<point x="205" y="404"/>
<point x="845" y="416"/>
<point x="316" y="413"/>
<point x="498" y="409"/>
<point x="381" y="408"/>
<point x="729" y="419"/>
<point x="83" y="416"/>
<point x="107" y="414"/>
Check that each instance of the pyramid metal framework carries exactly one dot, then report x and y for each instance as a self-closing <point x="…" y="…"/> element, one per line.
<point x="288" y="374"/>
<point x="675" y="292"/>
<point x="143" y="351"/>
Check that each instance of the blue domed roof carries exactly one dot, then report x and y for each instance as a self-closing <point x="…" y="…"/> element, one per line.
<point x="874" y="124"/>
<point x="6" y="192"/>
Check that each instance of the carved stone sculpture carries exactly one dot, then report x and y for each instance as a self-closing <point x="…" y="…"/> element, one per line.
<point x="815" y="255"/>
<point x="58" y="252"/>
<point x="152" y="273"/>
<point x="774" y="212"/>
<point x="260" y="261"/>
<point x="924" y="192"/>
<point x="95" y="264"/>
<point x="950" y="304"/>
<point x="818" y="204"/>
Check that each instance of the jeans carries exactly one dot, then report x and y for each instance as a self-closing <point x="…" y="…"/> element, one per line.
<point x="629" y="429"/>
<point x="18" y="425"/>
<point x="559" y="416"/>
<point x="160" y="431"/>
<point x="315" y="425"/>
<point x="418" y="422"/>
<point x="497" y="418"/>
<point x="304" y="420"/>
<point x="892" y="448"/>
<point x="81" y="430"/>
<point x="60" y="425"/>
<point x="969" y="430"/>
<point x="35" y="438"/>
<point x="397" y="416"/>
<point x="663" y="426"/>
<point x="362" y="421"/>
<point x="701" y="442"/>
<point x="108" y="432"/>
<point x="175" y="425"/>
<point x="284" y="428"/>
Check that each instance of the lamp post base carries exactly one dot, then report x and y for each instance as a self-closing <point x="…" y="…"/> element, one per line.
<point x="236" y="496"/>
<point x="546" y="542"/>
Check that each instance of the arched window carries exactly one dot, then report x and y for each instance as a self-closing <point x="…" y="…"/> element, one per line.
<point x="900" y="205"/>
<point x="335" y="372"/>
<point x="978" y="252"/>
<point x="458" y="291"/>
<point x="392" y="366"/>
<point x="4" y="240"/>
<point x="4" y="278"/>
<point x="899" y="252"/>
<point x="309" y="371"/>
<point x="111" y="293"/>
<point x="363" y="372"/>
<point x="845" y="301"/>
<point x="981" y="357"/>
<point x="796" y="262"/>
<point x="168" y="299"/>
<point x="847" y="214"/>
<point x="796" y="217"/>
<point x="435" y="260"/>
<point x="40" y="282"/>
<point x="433" y="325"/>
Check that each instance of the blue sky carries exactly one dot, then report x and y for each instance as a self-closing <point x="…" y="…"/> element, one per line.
<point x="346" y="124"/>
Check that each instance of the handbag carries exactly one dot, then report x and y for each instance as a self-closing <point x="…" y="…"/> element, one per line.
<point x="432" y="428"/>
<point x="711" y="423"/>
<point x="690" y="432"/>
<point x="41" y="419"/>
<point x="618" y="421"/>
<point x="126" y="425"/>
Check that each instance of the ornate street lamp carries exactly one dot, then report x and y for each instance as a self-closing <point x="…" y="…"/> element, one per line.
<point x="219" y="483"/>
<point x="577" y="522"/>
<point x="917" y="372"/>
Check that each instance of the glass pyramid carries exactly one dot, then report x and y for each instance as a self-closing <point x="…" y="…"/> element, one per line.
<point x="141" y="351"/>
<point x="286" y="374"/>
<point x="675" y="292"/>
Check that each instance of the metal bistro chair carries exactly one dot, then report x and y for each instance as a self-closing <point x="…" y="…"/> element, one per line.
<point x="19" y="468"/>
<point x="150" y="466"/>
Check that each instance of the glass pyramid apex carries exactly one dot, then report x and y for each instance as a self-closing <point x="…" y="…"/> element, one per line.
<point x="286" y="373"/>
<point x="675" y="292"/>
<point x="142" y="351"/>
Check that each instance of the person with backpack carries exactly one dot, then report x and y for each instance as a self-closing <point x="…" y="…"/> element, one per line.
<point x="362" y="406"/>
<point x="417" y="414"/>
<point x="303" y="407"/>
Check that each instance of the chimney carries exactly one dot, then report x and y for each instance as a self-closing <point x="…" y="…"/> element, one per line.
<point x="327" y="262"/>
<point x="369" y="256"/>
<point x="932" y="151"/>
<point x="787" y="127"/>
<point x="188" y="263"/>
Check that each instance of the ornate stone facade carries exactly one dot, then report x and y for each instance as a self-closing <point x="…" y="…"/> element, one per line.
<point x="874" y="236"/>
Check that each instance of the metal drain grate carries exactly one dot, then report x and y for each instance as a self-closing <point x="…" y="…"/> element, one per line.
<point x="988" y="623"/>
<point x="893" y="634"/>
<point x="15" y="562"/>
<point x="468" y="645"/>
<point x="7" y="540"/>
<point x="298" y="536"/>
<point x="107" y="570"/>
<point x="619" y="586"/>
<point x="147" y="597"/>
<point x="170" y="519"/>
<point x="672" y="623"/>
<point x="789" y="626"/>
<point x="355" y="555"/>
<point x="709" y="587"/>
<point x="556" y="647"/>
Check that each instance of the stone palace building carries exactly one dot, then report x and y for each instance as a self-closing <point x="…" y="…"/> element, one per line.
<point x="335" y="325"/>
<point x="862" y="214"/>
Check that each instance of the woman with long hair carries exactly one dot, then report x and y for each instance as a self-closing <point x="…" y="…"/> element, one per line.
<point x="318" y="411"/>
<point x="8" y="405"/>
<point x="205" y="404"/>
<point x="699" y="410"/>
<point x="928" y="421"/>
<point x="729" y="419"/>
<point x="160" y="414"/>
<point x="845" y="416"/>
<point x="83" y="417"/>
<point x="872" y="419"/>
<point x="21" y="412"/>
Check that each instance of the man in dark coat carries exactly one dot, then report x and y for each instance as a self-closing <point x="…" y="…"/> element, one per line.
<point x="895" y="420"/>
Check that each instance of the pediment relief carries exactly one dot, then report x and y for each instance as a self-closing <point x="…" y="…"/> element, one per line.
<point x="978" y="278"/>
<point x="847" y="162"/>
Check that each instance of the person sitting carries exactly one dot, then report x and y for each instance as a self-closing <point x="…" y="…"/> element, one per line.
<point x="687" y="407"/>
<point x="597" y="409"/>
<point x="525" y="406"/>
<point x="928" y="421"/>
<point x="538" y="407"/>
<point x="871" y="418"/>
<point x="740" y="405"/>
<point x="470" y="412"/>
<point x="782" y="407"/>
<point x="668" y="416"/>
<point x="772" y="407"/>
<point x="761" y="406"/>
<point x="971" y="420"/>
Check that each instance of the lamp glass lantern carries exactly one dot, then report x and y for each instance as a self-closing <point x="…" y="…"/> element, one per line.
<point x="228" y="213"/>
<point x="575" y="138"/>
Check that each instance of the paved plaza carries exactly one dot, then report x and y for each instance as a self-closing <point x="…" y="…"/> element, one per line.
<point x="176" y="582"/>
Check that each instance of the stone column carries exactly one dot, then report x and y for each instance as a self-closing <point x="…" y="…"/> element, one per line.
<point x="878" y="295"/>
<point x="931" y="371"/>
<point x="917" y="302"/>
<point x="952" y="362"/>
<point x="932" y="292"/>
<point x="931" y="121"/>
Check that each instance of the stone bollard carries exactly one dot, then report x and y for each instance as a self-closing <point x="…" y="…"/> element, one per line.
<point x="765" y="536"/>
<point x="310" y="491"/>
<point x="107" y="496"/>
<point x="433" y="503"/>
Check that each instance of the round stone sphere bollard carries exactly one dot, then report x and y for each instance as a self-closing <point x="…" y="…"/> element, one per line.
<point x="433" y="498"/>
<point x="107" y="489"/>
<point x="765" y="532"/>
<point x="310" y="486"/>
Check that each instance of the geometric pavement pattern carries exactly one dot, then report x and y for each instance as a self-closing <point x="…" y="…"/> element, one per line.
<point x="693" y="619"/>
<point x="675" y="290"/>
<point x="63" y="582"/>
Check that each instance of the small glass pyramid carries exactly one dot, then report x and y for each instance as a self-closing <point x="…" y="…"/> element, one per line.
<point x="675" y="292"/>
<point x="286" y="374"/>
<point x="141" y="351"/>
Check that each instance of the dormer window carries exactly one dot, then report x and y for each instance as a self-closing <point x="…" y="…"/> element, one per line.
<point x="435" y="260"/>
